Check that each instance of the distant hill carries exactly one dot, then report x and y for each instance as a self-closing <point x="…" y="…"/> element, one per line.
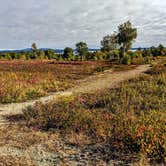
<point x="60" y="51"/>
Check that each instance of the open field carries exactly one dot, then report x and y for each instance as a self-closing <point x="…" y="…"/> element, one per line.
<point x="120" y="124"/>
<point x="130" y="117"/>
<point x="24" y="80"/>
<point x="82" y="83"/>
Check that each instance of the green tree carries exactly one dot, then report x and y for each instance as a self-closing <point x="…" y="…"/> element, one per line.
<point x="41" y="54"/>
<point x="161" y="49"/>
<point x="50" y="54"/>
<point x="146" y="52"/>
<point x="68" y="53"/>
<point x="126" y="36"/>
<point x="82" y="49"/>
<point x="154" y="51"/>
<point x="109" y="42"/>
<point x="34" y="47"/>
<point x="34" y="50"/>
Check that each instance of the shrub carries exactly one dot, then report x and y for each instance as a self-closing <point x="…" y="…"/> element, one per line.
<point x="130" y="117"/>
<point x="126" y="60"/>
<point x="66" y="116"/>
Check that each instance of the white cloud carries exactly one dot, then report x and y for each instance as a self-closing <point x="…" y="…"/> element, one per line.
<point x="55" y="23"/>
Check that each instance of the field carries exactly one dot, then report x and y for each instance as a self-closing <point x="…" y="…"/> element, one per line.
<point x="132" y="116"/>
<point x="121" y="125"/>
<point x="25" y="80"/>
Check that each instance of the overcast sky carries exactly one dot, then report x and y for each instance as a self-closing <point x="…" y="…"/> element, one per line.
<point x="61" y="23"/>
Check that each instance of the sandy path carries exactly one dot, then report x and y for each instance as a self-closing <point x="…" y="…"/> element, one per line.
<point x="107" y="79"/>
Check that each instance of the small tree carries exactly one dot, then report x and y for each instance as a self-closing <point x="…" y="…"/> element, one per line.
<point x="51" y="54"/>
<point x="126" y="36"/>
<point x="68" y="53"/>
<point x="109" y="43"/>
<point x="161" y="49"/>
<point x="82" y="49"/>
<point x="34" y="50"/>
<point x="41" y="54"/>
<point x="154" y="51"/>
<point x="34" y="47"/>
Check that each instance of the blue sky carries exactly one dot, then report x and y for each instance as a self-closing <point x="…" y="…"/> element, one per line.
<point x="61" y="23"/>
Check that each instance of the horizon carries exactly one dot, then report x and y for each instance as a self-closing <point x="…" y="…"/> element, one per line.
<point x="28" y="48"/>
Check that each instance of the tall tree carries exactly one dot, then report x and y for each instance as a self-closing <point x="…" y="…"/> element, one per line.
<point x="109" y="42"/>
<point x="34" y="50"/>
<point x="126" y="36"/>
<point x="82" y="49"/>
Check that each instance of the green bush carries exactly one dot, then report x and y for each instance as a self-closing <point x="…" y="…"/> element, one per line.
<point x="126" y="60"/>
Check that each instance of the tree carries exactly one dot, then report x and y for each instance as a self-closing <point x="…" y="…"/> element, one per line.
<point x="34" y="47"/>
<point x="50" y="54"/>
<point x="82" y="49"/>
<point x="34" y="50"/>
<point x="41" y="54"/>
<point x="146" y="52"/>
<point x="68" y="53"/>
<point x="154" y="51"/>
<point x="161" y="47"/>
<point x="109" y="42"/>
<point x="126" y="36"/>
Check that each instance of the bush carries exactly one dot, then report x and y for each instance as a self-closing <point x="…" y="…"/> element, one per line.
<point x="67" y="116"/>
<point x="113" y="54"/>
<point x="126" y="60"/>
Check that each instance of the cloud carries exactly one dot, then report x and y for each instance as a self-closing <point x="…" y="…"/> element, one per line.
<point x="55" y="23"/>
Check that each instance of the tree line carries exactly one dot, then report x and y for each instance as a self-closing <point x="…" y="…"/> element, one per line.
<point x="114" y="46"/>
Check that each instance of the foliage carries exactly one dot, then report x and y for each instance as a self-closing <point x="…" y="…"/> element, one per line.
<point x="126" y="35"/>
<point x="126" y="60"/>
<point x="66" y="116"/>
<point x="68" y="54"/>
<point x="129" y="117"/>
<point x="140" y="55"/>
<point x="34" y="50"/>
<point x="24" y="80"/>
<point x="109" y="42"/>
<point x="82" y="49"/>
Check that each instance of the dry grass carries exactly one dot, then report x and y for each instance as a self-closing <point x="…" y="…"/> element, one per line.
<point x="20" y="137"/>
<point x="15" y="161"/>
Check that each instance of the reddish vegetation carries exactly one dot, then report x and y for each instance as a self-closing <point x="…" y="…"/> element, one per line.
<point x="31" y="79"/>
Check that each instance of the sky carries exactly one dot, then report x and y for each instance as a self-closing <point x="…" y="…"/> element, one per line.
<point x="61" y="23"/>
